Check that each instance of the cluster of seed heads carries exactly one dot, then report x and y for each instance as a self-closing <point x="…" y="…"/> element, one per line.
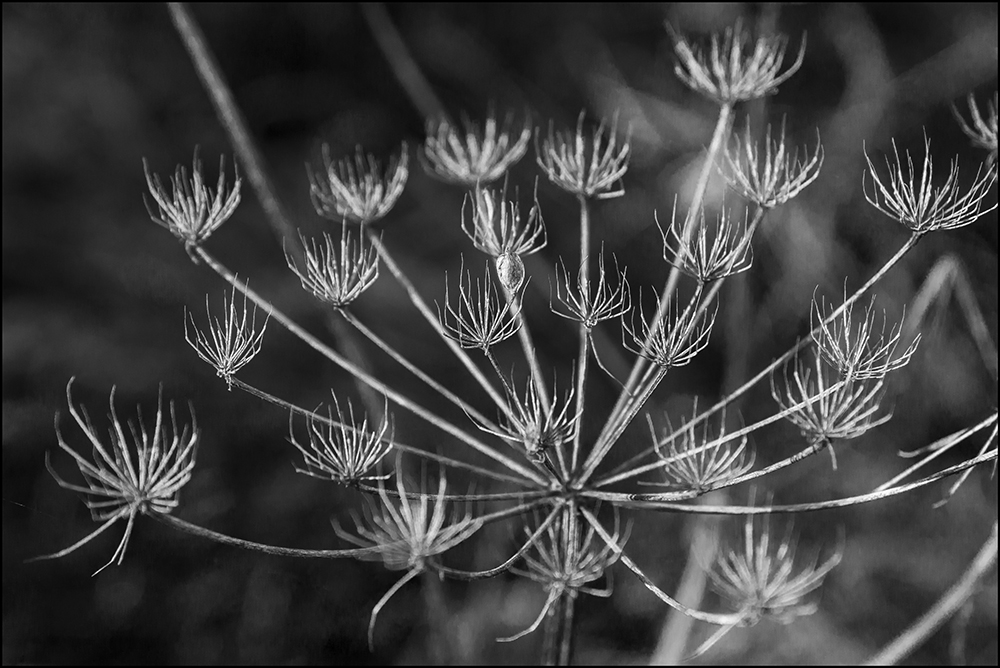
<point x="831" y="394"/>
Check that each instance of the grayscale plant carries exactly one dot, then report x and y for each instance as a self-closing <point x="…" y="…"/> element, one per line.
<point x="140" y="471"/>
<point x="824" y="406"/>
<point x="592" y="301"/>
<point x="981" y="128"/>
<point x="190" y="210"/>
<point x="585" y="166"/>
<point x="709" y="255"/>
<point x="547" y="459"/>
<point x="736" y="67"/>
<point x="534" y="427"/>
<point x="480" y="319"/>
<point x="474" y="156"/>
<point x="859" y="349"/>
<point x="231" y="341"/>
<point x="496" y="228"/>
<point x="336" y="274"/>
<point x="358" y="190"/>
<point x="761" y="577"/>
<point x="770" y="174"/>
<point x="407" y="531"/>
<point x="699" y="460"/>
<point x="339" y="448"/>
<point x="912" y="198"/>
<point x="676" y="338"/>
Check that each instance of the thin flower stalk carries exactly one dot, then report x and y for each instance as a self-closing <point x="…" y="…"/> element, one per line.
<point x="190" y="210"/>
<point x="589" y="167"/>
<point x="140" y="471"/>
<point x="433" y="319"/>
<point x="858" y="348"/>
<point x="473" y="156"/>
<point x="770" y="175"/>
<point x="914" y="200"/>
<point x="364" y="376"/>
<point x="982" y="127"/>
<point x="357" y="189"/>
<point x="336" y="274"/>
<point x="735" y="67"/>
<point x="340" y="448"/>
<point x="230" y="342"/>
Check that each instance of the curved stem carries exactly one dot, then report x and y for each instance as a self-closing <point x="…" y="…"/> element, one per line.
<point x="650" y="501"/>
<point x="952" y="600"/>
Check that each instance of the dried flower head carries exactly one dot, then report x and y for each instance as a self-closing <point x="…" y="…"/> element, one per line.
<point x="770" y="175"/>
<point x="231" y="342"/>
<point x="191" y="211"/>
<point x="826" y="408"/>
<point x="586" y="167"/>
<point x="700" y="461"/>
<point x="676" y="338"/>
<point x="410" y="528"/>
<point x="761" y="579"/>
<point x="735" y="67"/>
<point x="340" y="449"/>
<point x="335" y="275"/>
<point x="915" y="202"/>
<point x="536" y="428"/>
<point x="479" y="155"/>
<point x="708" y="255"/>
<point x="481" y="319"/>
<point x="357" y="189"/>
<point x="497" y="229"/>
<point x="126" y="479"/>
<point x="565" y="559"/>
<point x="592" y="301"/>
<point x="859" y="349"/>
<point x="983" y="128"/>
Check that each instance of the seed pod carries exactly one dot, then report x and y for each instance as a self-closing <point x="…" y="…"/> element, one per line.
<point x="510" y="271"/>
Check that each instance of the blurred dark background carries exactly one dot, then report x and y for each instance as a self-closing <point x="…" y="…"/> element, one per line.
<point x="93" y="289"/>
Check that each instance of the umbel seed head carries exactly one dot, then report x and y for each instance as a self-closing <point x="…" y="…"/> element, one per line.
<point x="736" y="67"/>
<point x="357" y="189"/>
<point x="479" y="155"/>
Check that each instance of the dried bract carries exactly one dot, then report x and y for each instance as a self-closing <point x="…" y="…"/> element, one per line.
<point x="585" y="166"/>
<point x="859" y="349"/>
<point x="708" y="254"/>
<point x="481" y="319"/>
<point x="735" y="67"/>
<point x="357" y="189"/>
<point x="191" y="210"/>
<point x="140" y="472"/>
<point x="476" y="156"/>
<point x="915" y="202"/>
<point x="770" y="175"/>
<point x="339" y="448"/>
<point x="231" y="342"/>
<point x="336" y="275"/>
